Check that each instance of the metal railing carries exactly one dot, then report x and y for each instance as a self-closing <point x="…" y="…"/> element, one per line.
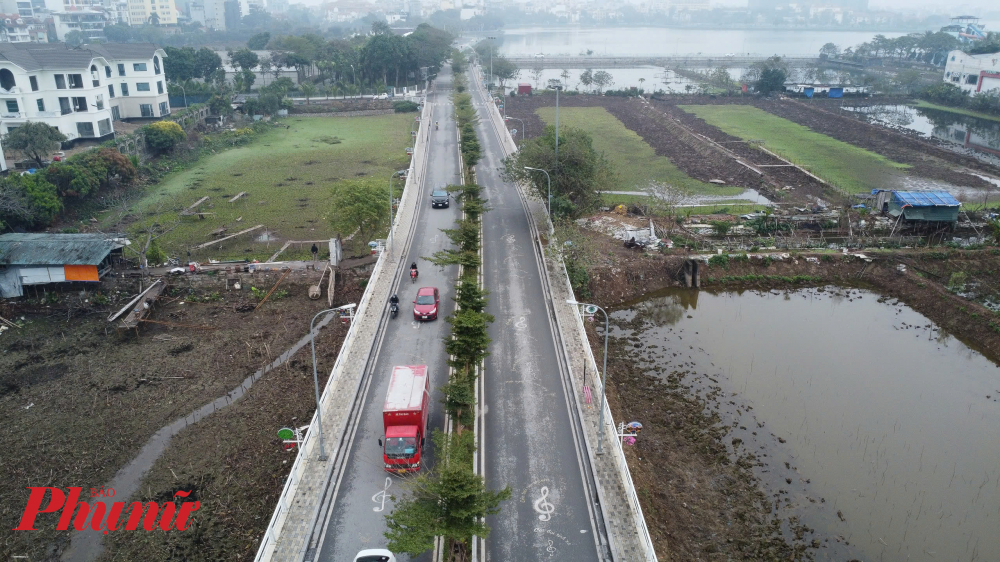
<point x="407" y="208"/>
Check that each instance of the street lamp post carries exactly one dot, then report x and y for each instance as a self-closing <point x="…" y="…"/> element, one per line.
<point x="549" y="178"/>
<point x="522" y="125"/>
<point x="183" y="91"/>
<point x="556" y="168"/>
<point x="355" y="74"/>
<point x="604" y="378"/>
<point x="319" y="410"/>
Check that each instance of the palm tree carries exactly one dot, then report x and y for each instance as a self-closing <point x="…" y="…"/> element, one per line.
<point x="308" y="90"/>
<point x="641" y="80"/>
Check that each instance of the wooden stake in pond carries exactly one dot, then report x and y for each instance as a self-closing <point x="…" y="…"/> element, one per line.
<point x="283" y="275"/>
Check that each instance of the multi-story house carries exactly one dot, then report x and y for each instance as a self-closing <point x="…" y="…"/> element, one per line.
<point x="89" y="22"/>
<point x="81" y="91"/>
<point x="17" y="29"/>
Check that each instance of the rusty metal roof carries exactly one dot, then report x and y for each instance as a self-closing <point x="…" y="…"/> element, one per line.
<point x="57" y="249"/>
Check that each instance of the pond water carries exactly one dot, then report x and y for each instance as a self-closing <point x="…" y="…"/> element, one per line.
<point x="659" y="41"/>
<point x="966" y="134"/>
<point x="890" y="427"/>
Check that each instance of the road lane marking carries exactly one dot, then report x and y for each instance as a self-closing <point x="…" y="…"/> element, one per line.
<point x="521" y="324"/>
<point x="543" y="507"/>
<point x="379" y="497"/>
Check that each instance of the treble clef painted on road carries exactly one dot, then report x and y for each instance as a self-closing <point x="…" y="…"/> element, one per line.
<point x="379" y="497"/>
<point x="543" y="507"/>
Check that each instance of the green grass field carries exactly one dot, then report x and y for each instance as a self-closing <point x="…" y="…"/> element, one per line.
<point x="958" y="110"/>
<point x="847" y="167"/>
<point x="289" y="176"/>
<point x="635" y="162"/>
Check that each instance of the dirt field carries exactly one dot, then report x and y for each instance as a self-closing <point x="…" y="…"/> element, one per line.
<point x="681" y="137"/>
<point x="81" y="400"/>
<point x="700" y="502"/>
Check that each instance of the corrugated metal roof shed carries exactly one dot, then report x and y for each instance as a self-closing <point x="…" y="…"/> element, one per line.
<point x="926" y="198"/>
<point x="57" y="249"/>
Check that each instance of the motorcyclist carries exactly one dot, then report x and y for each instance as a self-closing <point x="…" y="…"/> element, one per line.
<point x="413" y="270"/>
<point x="435" y="125"/>
<point x="394" y="299"/>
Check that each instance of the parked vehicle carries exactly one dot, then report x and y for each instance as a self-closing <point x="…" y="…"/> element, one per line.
<point x="426" y="305"/>
<point x="404" y="418"/>
<point x="753" y="215"/>
<point x="440" y="198"/>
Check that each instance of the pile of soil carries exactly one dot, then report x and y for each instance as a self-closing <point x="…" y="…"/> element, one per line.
<point x="81" y="400"/>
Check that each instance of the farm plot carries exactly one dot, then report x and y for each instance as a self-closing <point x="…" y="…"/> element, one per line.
<point x="288" y="177"/>
<point x="848" y="168"/>
<point x="634" y="161"/>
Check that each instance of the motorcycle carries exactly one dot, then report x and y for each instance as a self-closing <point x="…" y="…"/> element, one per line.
<point x="413" y="276"/>
<point x="393" y="309"/>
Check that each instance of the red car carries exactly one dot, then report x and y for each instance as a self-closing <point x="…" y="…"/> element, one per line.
<point x="426" y="305"/>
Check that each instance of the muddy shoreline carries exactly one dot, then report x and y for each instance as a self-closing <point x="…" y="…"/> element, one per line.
<point x="696" y="484"/>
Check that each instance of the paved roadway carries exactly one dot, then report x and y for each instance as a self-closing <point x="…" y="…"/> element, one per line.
<point x="356" y="520"/>
<point x="529" y="439"/>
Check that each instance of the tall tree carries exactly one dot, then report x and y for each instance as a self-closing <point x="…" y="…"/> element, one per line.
<point x="34" y="139"/>
<point x="258" y="41"/>
<point x="504" y="70"/>
<point x="179" y="64"/>
<point x="206" y="62"/>
<point x="829" y="51"/>
<point x="362" y="206"/>
<point x="580" y="175"/>
<point x="587" y="77"/>
<point x="246" y="61"/>
<point x="603" y="79"/>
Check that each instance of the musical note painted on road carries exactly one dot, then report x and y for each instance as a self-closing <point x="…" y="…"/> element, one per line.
<point x="379" y="497"/>
<point x="521" y="323"/>
<point x="543" y="507"/>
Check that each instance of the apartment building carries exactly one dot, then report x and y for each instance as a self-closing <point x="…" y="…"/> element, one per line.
<point x="160" y="12"/>
<point x="81" y="91"/>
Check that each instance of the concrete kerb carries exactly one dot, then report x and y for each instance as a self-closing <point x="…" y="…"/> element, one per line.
<point x="292" y="523"/>
<point x="627" y="532"/>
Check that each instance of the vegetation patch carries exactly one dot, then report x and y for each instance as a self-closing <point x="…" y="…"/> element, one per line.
<point x="846" y="167"/>
<point x="635" y="162"/>
<point x="274" y="179"/>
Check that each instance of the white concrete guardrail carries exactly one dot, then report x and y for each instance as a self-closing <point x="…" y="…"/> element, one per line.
<point x="628" y="534"/>
<point x="287" y="535"/>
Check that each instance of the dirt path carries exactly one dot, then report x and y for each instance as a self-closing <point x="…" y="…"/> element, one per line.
<point x="82" y="402"/>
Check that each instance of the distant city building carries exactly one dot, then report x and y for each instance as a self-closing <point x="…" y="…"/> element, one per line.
<point x="973" y="73"/>
<point x="17" y="29"/>
<point x="89" y="22"/>
<point x="771" y="5"/>
<point x="158" y="12"/>
<point x="81" y="91"/>
<point x="231" y="13"/>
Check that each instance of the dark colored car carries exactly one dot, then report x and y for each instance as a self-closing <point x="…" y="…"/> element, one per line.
<point x="440" y="198"/>
<point x="426" y="305"/>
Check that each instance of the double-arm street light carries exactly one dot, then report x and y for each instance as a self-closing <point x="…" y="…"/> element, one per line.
<point x="549" y="178"/>
<point x="312" y="342"/>
<point x="604" y="377"/>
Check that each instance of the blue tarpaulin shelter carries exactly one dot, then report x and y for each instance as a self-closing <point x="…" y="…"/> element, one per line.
<point x="836" y="92"/>
<point x="928" y="206"/>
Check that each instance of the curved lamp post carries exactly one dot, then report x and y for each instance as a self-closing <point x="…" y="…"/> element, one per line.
<point x="547" y="177"/>
<point x="319" y="409"/>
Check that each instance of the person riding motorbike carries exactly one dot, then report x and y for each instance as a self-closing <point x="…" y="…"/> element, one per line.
<point x="435" y="125"/>
<point x="394" y="304"/>
<point x="413" y="271"/>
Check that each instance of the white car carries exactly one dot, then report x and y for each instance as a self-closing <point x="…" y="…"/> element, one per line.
<point x="375" y="555"/>
<point x="753" y="215"/>
<point x="382" y="97"/>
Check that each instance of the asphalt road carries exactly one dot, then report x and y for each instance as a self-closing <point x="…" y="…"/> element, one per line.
<point x="357" y="520"/>
<point x="528" y="440"/>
